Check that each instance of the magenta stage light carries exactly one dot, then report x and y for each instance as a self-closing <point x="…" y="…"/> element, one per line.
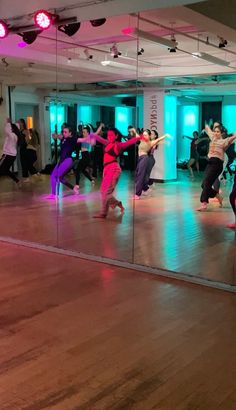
<point x="22" y="44"/>
<point x="43" y="19"/>
<point x="3" y="29"/>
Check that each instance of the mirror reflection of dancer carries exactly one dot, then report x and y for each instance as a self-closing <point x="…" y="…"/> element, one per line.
<point x="88" y="140"/>
<point x="194" y="156"/>
<point x="232" y="199"/>
<point x="9" y="150"/>
<point x="68" y="146"/>
<point x="112" y="170"/>
<point x="144" y="148"/>
<point x="217" y="148"/>
<point x="151" y="163"/>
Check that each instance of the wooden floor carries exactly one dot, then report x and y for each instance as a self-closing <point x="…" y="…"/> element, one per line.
<point x="162" y="230"/>
<point x="79" y="335"/>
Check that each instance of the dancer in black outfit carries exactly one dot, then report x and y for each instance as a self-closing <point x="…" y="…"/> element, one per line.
<point x="232" y="199"/>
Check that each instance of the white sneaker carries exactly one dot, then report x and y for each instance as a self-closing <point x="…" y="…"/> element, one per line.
<point x="146" y="193"/>
<point x="136" y="197"/>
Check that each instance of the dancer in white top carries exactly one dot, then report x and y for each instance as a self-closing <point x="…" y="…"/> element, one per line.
<point x="9" y="150"/>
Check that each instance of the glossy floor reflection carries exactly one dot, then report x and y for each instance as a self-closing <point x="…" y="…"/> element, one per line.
<point x="81" y="335"/>
<point x="162" y="230"/>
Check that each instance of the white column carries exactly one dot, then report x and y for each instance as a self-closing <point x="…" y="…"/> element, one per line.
<point x="160" y="112"/>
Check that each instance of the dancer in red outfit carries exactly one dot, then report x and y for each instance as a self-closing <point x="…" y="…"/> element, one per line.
<point x="112" y="170"/>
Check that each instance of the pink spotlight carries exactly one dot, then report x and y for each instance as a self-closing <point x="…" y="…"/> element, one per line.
<point x="22" y="44"/>
<point x="128" y="30"/>
<point x="43" y="19"/>
<point x="3" y="29"/>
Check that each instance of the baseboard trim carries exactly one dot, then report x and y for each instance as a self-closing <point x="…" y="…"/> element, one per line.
<point x="161" y="273"/>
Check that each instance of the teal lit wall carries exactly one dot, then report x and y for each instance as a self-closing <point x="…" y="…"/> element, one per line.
<point x="57" y="117"/>
<point x="188" y="121"/>
<point x="124" y="117"/>
<point x="228" y="116"/>
<point x="169" y="149"/>
<point x="85" y="114"/>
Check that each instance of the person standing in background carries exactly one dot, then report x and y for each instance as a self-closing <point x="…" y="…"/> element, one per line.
<point x="9" y="150"/>
<point x="22" y="142"/>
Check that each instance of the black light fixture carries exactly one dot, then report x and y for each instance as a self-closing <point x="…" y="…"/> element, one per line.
<point x="222" y="42"/>
<point x="114" y="51"/>
<point x="98" y="22"/>
<point x="141" y="51"/>
<point x="30" y="36"/>
<point x="69" y="29"/>
<point x="87" y="54"/>
<point x="174" y="48"/>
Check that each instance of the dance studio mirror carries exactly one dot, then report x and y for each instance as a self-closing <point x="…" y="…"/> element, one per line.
<point x="28" y="78"/>
<point x="102" y="60"/>
<point x="180" y="95"/>
<point x="134" y="69"/>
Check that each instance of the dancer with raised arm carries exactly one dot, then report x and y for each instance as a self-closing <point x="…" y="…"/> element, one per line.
<point x="194" y="155"/>
<point x="68" y="146"/>
<point x="112" y="170"/>
<point x="216" y="154"/>
<point x="144" y="149"/>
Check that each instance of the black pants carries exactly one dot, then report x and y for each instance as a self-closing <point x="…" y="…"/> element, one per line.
<point x="24" y="161"/>
<point x="232" y="196"/>
<point x="212" y="171"/>
<point x="97" y="160"/>
<point x="31" y="158"/>
<point x="6" y="163"/>
<point x="140" y="174"/>
<point x="150" y="165"/>
<point x="83" y="164"/>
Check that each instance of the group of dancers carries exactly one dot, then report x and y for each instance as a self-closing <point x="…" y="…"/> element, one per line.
<point x="18" y="135"/>
<point x="19" y="138"/>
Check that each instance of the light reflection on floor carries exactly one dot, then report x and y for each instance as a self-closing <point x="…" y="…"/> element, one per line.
<point x="164" y="228"/>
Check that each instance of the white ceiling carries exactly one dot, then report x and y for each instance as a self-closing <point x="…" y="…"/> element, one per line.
<point x="45" y="62"/>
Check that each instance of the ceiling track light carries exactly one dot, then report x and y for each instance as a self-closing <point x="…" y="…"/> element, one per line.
<point x="87" y="54"/>
<point x="175" y="44"/>
<point x="3" y="29"/>
<point x="140" y="52"/>
<point x="114" y="51"/>
<point x="222" y="42"/>
<point x="98" y="22"/>
<point x="69" y="29"/>
<point x="30" y="36"/>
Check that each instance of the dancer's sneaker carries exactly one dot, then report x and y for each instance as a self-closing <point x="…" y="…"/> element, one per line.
<point x="136" y="197"/>
<point x="76" y="189"/>
<point x="120" y="205"/>
<point x="203" y="207"/>
<point x="93" y="181"/>
<point x="26" y="180"/>
<point x="19" y="184"/>
<point x="231" y="226"/>
<point x="219" y="199"/>
<point x="147" y="192"/>
<point x="51" y="196"/>
<point x="99" y="216"/>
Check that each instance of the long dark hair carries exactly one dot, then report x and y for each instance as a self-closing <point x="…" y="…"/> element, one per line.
<point x="116" y="132"/>
<point x="22" y="121"/>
